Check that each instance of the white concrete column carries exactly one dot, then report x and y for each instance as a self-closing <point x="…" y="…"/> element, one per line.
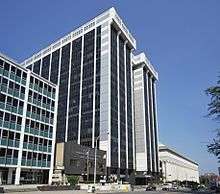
<point x="149" y="120"/>
<point x="165" y="170"/>
<point x="156" y="120"/>
<point x="126" y="115"/>
<point x="94" y="90"/>
<point x="18" y="169"/>
<point x="50" y="66"/>
<point x="10" y="173"/>
<point x="80" y="93"/>
<point x="132" y="109"/>
<point x="118" y="71"/>
<point x="17" y="175"/>
<point x="68" y="94"/>
<point x="153" y="123"/>
<point x="0" y="177"/>
<point x="54" y="137"/>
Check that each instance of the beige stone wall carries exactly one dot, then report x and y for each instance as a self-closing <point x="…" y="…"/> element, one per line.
<point x="59" y="160"/>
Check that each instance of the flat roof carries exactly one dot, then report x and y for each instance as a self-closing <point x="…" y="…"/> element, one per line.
<point x="100" y="19"/>
<point x="163" y="148"/>
<point x="142" y="58"/>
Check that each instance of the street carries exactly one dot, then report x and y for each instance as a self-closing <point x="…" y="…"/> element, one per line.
<point x="85" y="192"/>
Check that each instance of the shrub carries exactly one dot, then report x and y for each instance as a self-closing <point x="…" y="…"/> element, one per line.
<point x="72" y="180"/>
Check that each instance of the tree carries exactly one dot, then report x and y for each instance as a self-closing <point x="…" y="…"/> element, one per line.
<point x="72" y="180"/>
<point x="214" y="113"/>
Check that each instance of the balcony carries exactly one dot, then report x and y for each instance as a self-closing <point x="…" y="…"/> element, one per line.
<point x="17" y="143"/>
<point x="6" y="124"/>
<point x="34" y="162"/>
<point x="46" y="134"/>
<point x="45" y="92"/>
<point x="40" y="89"/>
<point x="5" y="73"/>
<point x="2" y="105"/>
<point x="1" y="71"/>
<point x="11" y="91"/>
<point x="23" y="162"/>
<point x="36" y="87"/>
<point x="28" y="163"/>
<point x="4" y="88"/>
<point x="23" y="81"/>
<point x="31" y="85"/>
<point x="39" y="163"/>
<point x="22" y="96"/>
<point x="8" y="107"/>
<point x="20" y="111"/>
<point x="12" y="76"/>
<point x="13" y="126"/>
<point x="49" y="149"/>
<point x="11" y="143"/>
<point x="26" y="129"/>
<point x="18" y="127"/>
<point x="35" y="147"/>
<point x="18" y="79"/>
<point x="15" y="161"/>
<point x="30" y="146"/>
<point x="44" y="163"/>
<point x="8" y="160"/>
<point x="14" y="109"/>
<point x="44" y="148"/>
<point x="53" y="95"/>
<point x="28" y="114"/>
<point x="16" y="93"/>
<point x="40" y="148"/>
<point x="4" y="141"/>
<point x="2" y="160"/>
<point x="24" y="145"/>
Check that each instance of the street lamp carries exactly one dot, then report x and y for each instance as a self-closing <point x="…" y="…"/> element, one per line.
<point x="87" y="165"/>
<point x="95" y="159"/>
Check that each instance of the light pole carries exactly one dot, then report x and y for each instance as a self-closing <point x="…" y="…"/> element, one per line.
<point x="95" y="159"/>
<point x="87" y="164"/>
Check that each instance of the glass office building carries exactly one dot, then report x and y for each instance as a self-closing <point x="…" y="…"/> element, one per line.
<point x="146" y="125"/>
<point x="92" y="67"/>
<point x="27" y="125"/>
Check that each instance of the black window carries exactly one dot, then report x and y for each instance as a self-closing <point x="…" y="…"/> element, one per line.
<point x="114" y="99"/>
<point x="63" y="90"/>
<point x="55" y="66"/>
<point x="87" y="90"/>
<point x="97" y="86"/>
<point x="129" y="108"/>
<point x="45" y="67"/>
<point x="74" y="90"/>
<point x="122" y="104"/>
<point x="36" y="68"/>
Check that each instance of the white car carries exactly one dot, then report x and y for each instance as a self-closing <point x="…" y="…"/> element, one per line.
<point x="167" y="186"/>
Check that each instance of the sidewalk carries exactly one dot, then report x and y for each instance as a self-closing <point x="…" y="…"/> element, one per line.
<point x="47" y="192"/>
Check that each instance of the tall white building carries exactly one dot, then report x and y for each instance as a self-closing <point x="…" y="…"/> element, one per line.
<point x="28" y="112"/>
<point x="92" y="67"/>
<point x="145" y="116"/>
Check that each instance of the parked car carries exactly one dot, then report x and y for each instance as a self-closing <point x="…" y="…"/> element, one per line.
<point x="174" y="187"/>
<point x="167" y="186"/>
<point x="151" y="188"/>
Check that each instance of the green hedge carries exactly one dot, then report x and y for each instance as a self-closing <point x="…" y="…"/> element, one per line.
<point x="72" y="180"/>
